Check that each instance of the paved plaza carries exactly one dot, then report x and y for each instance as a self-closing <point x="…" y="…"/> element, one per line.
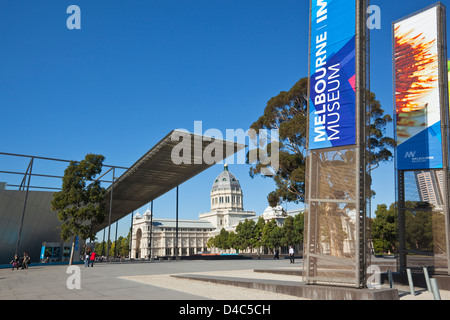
<point x="135" y="281"/>
<point x="153" y="281"/>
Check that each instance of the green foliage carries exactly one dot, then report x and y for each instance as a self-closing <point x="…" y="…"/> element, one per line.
<point x="79" y="205"/>
<point x="299" y="225"/>
<point x="292" y="230"/>
<point x="385" y="228"/>
<point x="272" y="235"/>
<point x="381" y="246"/>
<point x="424" y="229"/>
<point x="245" y="234"/>
<point x="287" y="112"/>
<point x="122" y="246"/>
<point x="258" y="232"/>
<point x="249" y="234"/>
<point x="222" y="239"/>
<point x="232" y="240"/>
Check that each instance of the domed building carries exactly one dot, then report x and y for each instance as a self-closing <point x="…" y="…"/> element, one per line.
<point x="277" y="213"/>
<point x="156" y="237"/>
<point x="227" y="205"/>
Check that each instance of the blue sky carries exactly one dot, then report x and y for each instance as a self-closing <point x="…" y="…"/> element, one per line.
<point x="138" y="69"/>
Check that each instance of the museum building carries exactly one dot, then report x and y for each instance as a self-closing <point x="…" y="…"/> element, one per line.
<point x="156" y="237"/>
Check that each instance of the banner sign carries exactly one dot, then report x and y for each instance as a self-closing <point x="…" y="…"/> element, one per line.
<point x="332" y="101"/>
<point x="417" y="96"/>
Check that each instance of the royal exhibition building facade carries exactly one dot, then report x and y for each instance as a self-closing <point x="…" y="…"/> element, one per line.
<point x="156" y="237"/>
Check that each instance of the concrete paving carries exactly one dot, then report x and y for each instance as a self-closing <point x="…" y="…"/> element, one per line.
<point x="155" y="281"/>
<point x="110" y="281"/>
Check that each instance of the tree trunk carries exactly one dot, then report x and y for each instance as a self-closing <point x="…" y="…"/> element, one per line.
<point x="71" y="252"/>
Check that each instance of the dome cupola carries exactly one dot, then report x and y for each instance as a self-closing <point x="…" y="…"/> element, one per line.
<point x="225" y="180"/>
<point x="226" y="192"/>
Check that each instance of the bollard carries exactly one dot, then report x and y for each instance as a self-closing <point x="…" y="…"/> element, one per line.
<point x="391" y="280"/>
<point x="410" y="281"/>
<point x="434" y="286"/>
<point x="427" y="279"/>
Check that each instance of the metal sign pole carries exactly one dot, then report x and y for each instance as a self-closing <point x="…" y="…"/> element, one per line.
<point x="444" y="98"/>
<point x="176" y="229"/>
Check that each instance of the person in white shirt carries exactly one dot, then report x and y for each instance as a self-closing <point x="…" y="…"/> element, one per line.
<point x="86" y="259"/>
<point x="291" y="254"/>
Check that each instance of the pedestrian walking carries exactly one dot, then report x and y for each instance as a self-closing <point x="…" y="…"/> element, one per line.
<point x="291" y="254"/>
<point x="86" y="259"/>
<point x="277" y="254"/>
<point x="25" y="260"/>
<point x="15" y="262"/>
<point x="92" y="258"/>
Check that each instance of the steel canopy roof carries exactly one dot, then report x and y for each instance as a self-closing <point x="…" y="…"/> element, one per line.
<point x="155" y="173"/>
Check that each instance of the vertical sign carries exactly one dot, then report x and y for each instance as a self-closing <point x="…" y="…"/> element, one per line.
<point x="336" y="179"/>
<point x="332" y="104"/>
<point x="417" y="91"/>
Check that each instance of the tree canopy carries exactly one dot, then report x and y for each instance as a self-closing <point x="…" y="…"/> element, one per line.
<point x="287" y="112"/>
<point x="79" y="204"/>
<point x="424" y="229"/>
<point x="253" y="235"/>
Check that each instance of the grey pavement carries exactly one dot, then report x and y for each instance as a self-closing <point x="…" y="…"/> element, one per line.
<point x="154" y="281"/>
<point x="121" y="281"/>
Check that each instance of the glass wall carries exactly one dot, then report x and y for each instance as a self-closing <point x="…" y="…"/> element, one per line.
<point x="424" y="229"/>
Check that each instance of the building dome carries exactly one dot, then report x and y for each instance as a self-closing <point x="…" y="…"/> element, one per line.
<point x="273" y="213"/>
<point x="147" y="214"/>
<point x="225" y="180"/>
<point x="226" y="192"/>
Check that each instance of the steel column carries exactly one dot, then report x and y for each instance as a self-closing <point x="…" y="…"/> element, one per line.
<point x="443" y="83"/>
<point x="110" y="212"/>
<point x="115" y="241"/>
<point x="151" y="231"/>
<point x="131" y="236"/>
<point x="30" y="167"/>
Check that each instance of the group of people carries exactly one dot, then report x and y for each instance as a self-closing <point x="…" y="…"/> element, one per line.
<point x="89" y="259"/>
<point x="21" y="263"/>
<point x="291" y="254"/>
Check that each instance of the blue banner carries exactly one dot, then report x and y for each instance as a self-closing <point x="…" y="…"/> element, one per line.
<point x="417" y="91"/>
<point x="332" y="104"/>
